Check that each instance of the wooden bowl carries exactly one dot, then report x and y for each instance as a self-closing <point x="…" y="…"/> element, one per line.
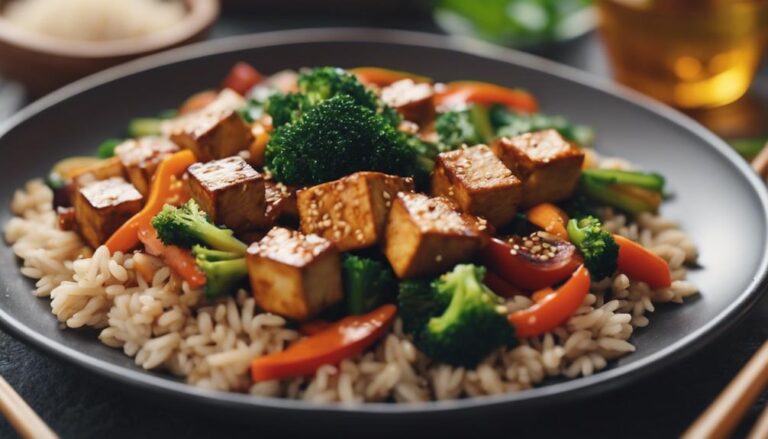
<point x="43" y="63"/>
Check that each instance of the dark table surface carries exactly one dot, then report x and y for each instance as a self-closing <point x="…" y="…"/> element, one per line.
<point x="77" y="404"/>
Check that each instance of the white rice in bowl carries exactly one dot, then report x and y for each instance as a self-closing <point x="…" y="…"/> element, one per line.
<point x="163" y="324"/>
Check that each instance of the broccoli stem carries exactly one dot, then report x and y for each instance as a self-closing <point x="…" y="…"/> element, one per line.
<point x="219" y="239"/>
<point x="222" y="277"/>
<point x="214" y="255"/>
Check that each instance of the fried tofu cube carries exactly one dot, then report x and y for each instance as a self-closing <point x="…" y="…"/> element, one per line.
<point x="230" y="191"/>
<point x="414" y="101"/>
<point x="351" y="211"/>
<point x="294" y="275"/>
<point x="281" y="201"/>
<point x="426" y="236"/>
<point x="140" y="158"/>
<point x="548" y="164"/>
<point x="101" y="207"/>
<point x="479" y="183"/>
<point x="215" y="132"/>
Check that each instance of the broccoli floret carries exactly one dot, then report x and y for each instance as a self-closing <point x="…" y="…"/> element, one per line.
<point x="596" y="245"/>
<point x="418" y="303"/>
<point x="509" y="123"/>
<point x="187" y="225"/>
<point x="367" y="283"/>
<point x="224" y="271"/>
<point x="579" y="206"/>
<point x="454" y="129"/>
<point x="470" y="327"/>
<point x="285" y="108"/>
<point x="323" y="83"/>
<point x="334" y="139"/>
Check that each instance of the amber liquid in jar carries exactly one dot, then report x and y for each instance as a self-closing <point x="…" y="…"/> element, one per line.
<point x="688" y="53"/>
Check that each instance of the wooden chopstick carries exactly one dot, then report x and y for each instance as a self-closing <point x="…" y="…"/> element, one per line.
<point x="725" y="412"/>
<point x="760" y="163"/>
<point x="21" y="416"/>
<point x="760" y="429"/>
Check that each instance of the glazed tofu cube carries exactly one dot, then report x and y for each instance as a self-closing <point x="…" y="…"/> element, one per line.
<point x="293" y="274"/>
<point x="230" y="191"/>
<point x="103" y="206"/>
<point x="548" y="165"/>
<point x="351" y="211"/>
<point x="427" y="236"/>
<point x="281" y="202"/>
<point x="479" y="183"/>
<point x="412" y="100"/>
<point x="140" y="158"/>
<point x="216" y="131"/>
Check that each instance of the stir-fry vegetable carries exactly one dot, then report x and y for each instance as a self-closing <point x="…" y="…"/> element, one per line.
<point x="224" y="271"/>
<point x="527" y="267"/>
<point x="144" y="126"/>
<point x="460" y="93"/>
<point x="241" y="78"/>
<point x="550" y="218"/>
<point x="382" y="77"/>
<point x="166" y="189"/>
<point x="337" y="138"/>
<point x="466" y="322"/>
<point x="463" y="127"/>
<point x="597" y="246"/>
<point x="553" y="308"/>
<point x="222" y="262"/>
<point x="107" y="148"/>
<point x="187" y="225"/>
<point x="180" y="260"/>
<point x="641" y="264"/>
<point x="285" y="108"/>
<point x="321" y="84"/>
<point x="630" y="191"/>
<point x="331" y="345"/>
<point x="367" y="283"/>
<point x="510" y="123"/>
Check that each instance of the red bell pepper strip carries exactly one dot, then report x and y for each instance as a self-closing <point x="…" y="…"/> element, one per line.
<point x="242" y="78"/>
<point x="167" y="188"/>
<point x="550" y="218"/>
<point x="552" y="309"/>
<point x="641" y="264"/>
<point x="539" y="295"/>
<point x="341" y="340"/>
<point x="499" y="286"/>
<point x="463" y="92"/>
<point x="180" y="260"/>
<point x="314" y="327"/>
<point x="382" y="77"/>
<point x="526" y="273"/>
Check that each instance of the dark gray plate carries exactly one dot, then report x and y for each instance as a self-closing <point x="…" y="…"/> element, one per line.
<point x="719" y="201"/>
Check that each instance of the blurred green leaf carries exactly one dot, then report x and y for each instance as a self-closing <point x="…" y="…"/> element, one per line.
<point x="517" y="22"/>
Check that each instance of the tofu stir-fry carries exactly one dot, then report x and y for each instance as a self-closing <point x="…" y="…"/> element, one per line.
<point x="344" y="199"/>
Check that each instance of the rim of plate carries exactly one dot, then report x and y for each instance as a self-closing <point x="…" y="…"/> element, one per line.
<point x="573" y="389"/>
